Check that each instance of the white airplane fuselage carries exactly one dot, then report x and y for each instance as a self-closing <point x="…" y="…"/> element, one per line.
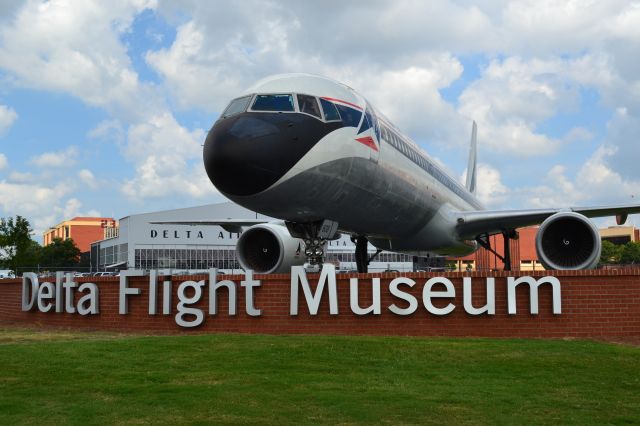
<point x="276" y="153"/>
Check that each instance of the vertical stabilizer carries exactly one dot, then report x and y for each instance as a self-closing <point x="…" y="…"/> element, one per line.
<point x="473" y="154"/>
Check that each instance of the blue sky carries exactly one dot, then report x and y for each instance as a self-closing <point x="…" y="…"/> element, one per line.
<point x="104" y="105"/>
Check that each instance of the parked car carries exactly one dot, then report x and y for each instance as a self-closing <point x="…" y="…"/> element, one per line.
<point x="6" y="273"/>
<point x="104" y="274"/>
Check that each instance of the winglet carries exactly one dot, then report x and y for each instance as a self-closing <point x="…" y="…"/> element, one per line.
<point x="472" y="167"/>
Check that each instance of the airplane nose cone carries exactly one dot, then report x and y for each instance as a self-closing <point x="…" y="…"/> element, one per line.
<point x="247" y="153"/>
<point x="238" y="155"/>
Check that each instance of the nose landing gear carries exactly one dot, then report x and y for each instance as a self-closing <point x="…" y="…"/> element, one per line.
<point x="314" y="250"/>
<point x="315" y="236"/>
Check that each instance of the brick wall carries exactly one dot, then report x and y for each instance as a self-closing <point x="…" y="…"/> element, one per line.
<point x="84" y="235"/>
<point x="595" y="304"/>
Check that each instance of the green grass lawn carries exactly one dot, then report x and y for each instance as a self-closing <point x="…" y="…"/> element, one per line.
<point x="68" y="377"/>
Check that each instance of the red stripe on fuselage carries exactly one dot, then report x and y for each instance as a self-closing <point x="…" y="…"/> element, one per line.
<point x="368" y="141"/>
<point x="343" y="102"/>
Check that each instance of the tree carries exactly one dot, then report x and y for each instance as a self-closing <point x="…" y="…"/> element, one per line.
<point x="611" y="253"/>
<point x="60" y="254"/>
<point x="19" y="251"/>
<point x="630" y="253"/>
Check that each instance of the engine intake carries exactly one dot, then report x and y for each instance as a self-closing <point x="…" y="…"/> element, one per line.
<point x="568" y="240"/>
<point x="269" y="248"/>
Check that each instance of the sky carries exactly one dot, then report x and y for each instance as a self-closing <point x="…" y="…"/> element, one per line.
<point x="104" y="106"/>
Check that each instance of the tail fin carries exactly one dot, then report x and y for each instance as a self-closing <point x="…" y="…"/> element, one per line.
<point x="471" y="167"/>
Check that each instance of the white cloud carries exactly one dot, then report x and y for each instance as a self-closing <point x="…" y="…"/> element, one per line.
<point x="163" y="135"/>
<point x="8" y="8"/>
<point x="552" y="26"/>
<point x="3" y="161"/>
<point x="578" y="134"/>
<point x="512" y="97"/>
<point x="168" y="160"/>
<point x="75" y="48"/>
<point x="21" y="177"/>
<point x="108" y="131"/>
<point x="88" y="179"/>
<point x="211" y="60"/>
<point x="78" y="49"/>
<point x="411" y="97"/>
<point x="622" y="148"/>
<point x="56" y="159"/>
<point x="595" y="183"/>
<point x="28" y="200"/>
<point x="201" y="74"/>
<point x="162" y="176"/>
<point x="603" y="183"/>
<point x="538" y="58"/>
<point x="43" y="204"/>
<point x="225" y="49"/>
<point x="490" y="189"/>
<point x="7" y="117"/>
<point x="72" y="208"/>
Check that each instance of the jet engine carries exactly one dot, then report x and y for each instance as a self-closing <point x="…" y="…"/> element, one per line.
<point x="269" y="248"/>
<point x="568" y="240"/>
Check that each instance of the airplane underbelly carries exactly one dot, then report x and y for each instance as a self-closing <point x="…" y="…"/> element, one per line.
<point x="361" y="196"/>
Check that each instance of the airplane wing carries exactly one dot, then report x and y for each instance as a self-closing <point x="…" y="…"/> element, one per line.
<point x="229" y="225"/>
<point x="471" y="224"/>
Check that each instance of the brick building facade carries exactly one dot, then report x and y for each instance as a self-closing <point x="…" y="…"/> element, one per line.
<point x="82" y="230"/>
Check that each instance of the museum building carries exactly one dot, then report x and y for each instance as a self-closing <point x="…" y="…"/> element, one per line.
<point x="149" y="241"/>
<point x="82" y="230"/>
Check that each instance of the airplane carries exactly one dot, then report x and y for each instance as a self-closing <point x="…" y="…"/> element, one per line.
<point x="317" y="156"/>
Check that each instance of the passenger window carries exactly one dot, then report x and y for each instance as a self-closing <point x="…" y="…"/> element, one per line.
<point x="309" y="105"/>
<point x="330" y="110"/>
<point x="280" y="103"/>
<point x="237" y="106"/>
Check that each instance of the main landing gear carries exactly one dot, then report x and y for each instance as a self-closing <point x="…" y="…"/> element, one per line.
<point x="362" y="255"/>
<point x="507" y="236"/>
<point x="316" y="235"/>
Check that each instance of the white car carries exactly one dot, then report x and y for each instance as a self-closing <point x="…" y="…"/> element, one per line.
<point x="6" y="273"/>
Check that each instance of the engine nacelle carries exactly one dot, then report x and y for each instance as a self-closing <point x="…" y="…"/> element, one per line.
<point x="568" y="240"/>
<point x="269" y="248"/>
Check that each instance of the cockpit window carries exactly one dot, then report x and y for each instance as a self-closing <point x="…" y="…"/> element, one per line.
<point x="330" y="111"/>
<point x="237" y="106"/>
<point x="350" y="116"/>
<point x="309" y="104"/>
<point x="280" y="103"/>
